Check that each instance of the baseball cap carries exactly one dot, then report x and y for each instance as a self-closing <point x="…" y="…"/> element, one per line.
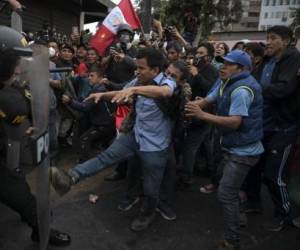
<point x="238" y="57"/>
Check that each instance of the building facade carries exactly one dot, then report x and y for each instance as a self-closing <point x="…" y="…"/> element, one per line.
<point x="277" y="12"/>
<point x="250" y="16"/>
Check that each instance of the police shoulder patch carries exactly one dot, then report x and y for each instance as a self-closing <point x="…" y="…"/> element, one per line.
<point x="19" y="119"/>
<point x="2" y="114"/>
<point x="27" y="94"/>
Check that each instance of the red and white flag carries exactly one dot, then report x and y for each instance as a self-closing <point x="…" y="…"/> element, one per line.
<point x="106" y="33"/>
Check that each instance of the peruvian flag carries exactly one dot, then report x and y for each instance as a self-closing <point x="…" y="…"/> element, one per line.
<point x="106" y="33"/>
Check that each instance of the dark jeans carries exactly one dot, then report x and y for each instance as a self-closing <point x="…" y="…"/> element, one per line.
<point x="135" y="177"/>
<point x="273" y="166"/>
<point x="105" y="134"/>
<point x="195" y="137"/>
<point x="235" y="169"/>
<point x="124" y="147"/>
<point x="15" y="193"/>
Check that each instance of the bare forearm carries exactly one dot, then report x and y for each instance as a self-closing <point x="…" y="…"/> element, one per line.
<point x="231" y="122"/>
<point x="153" y="91"/>
<point x="107" y="96"/>
<point x="203" y="103"/>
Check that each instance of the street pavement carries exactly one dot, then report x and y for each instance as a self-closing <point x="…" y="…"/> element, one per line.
<point x="102" y="226"/>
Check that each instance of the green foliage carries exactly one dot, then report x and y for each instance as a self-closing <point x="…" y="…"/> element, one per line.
<point x="209" y="12"/>
<point x="157" y="6"/>
<point x="295" y="26"/>
<point x="296" y="21"/>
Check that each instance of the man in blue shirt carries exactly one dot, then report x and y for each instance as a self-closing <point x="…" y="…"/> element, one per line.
<point x="238" y="100"/>
<point x="149" y="139"/>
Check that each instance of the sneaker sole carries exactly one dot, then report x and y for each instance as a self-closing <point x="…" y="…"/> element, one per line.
<point x="130" y="206"/>
<point x="164" y="215"/>
<point x="59" y="182"/>
<point x="296" y="222"/>
<point x="204" y="190"/>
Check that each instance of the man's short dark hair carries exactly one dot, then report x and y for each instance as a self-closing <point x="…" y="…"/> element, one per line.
<point x="226" y="48"/>
<point x="255" y="48"/>
<point x="183" y="68"/>
<point x="191" y="51"/>
<point x="97" y="70"/>
<point x="209" y="47"/>
<point x="174" y="45"/>
<point x="282" y="31"/>
<point x="153" y="57"/>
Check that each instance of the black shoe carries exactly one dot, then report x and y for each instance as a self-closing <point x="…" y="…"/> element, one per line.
<point x="225" y="245"/>
<point x="166" y="211"/>
<point x="278" y="224"/>
<point x="142" y="222"/>
<point x="114" y="176"/>
<point x="184" y="184"/>
<point x="296" y="222"/>
<point x="56" y="238"/>
<point x="243" y="219"/>
<point x="127" y="204"/>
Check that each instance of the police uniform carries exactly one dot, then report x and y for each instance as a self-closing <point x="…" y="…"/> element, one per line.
<point x="14" y="189"/>
<point x="15" y="116"/>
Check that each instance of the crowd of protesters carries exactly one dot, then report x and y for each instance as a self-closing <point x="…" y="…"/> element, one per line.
<point x="156" y="107"/>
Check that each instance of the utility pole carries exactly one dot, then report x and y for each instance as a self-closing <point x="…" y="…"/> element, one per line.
<point x="147" y="17"/>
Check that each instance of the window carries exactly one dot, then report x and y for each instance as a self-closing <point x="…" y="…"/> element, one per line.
<point x="292" y="14"/>
<point x="252" y="25"/>
<point x="266" y="15"/>
<point x="253" y="14"/>
<point x="272" y="15"/>
<point x="277" y="15"/>
<point x="274" y="2"/>
<point x="267" y="2"/>
<point x="280" y="2"/>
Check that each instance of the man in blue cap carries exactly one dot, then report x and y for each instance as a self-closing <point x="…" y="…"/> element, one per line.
<point x="239" y="105"/>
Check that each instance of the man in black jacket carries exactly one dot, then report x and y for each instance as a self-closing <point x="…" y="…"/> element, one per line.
<point x="204" y="75"/>
<point x="100" y="115"/>
<point x="278" y="76"/>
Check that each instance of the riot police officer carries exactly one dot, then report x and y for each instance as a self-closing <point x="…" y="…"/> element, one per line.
<point x="15" y="116"/>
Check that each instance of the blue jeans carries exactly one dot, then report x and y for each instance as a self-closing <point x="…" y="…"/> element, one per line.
<point x="124" y="147"/>
<point x="235" y="170"/>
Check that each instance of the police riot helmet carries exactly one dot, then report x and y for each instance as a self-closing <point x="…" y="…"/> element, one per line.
<point x="10" y="39"/>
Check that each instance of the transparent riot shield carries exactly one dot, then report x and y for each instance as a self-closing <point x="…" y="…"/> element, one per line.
<point x="36" y="74"/>
<point x="16" y="21"/>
